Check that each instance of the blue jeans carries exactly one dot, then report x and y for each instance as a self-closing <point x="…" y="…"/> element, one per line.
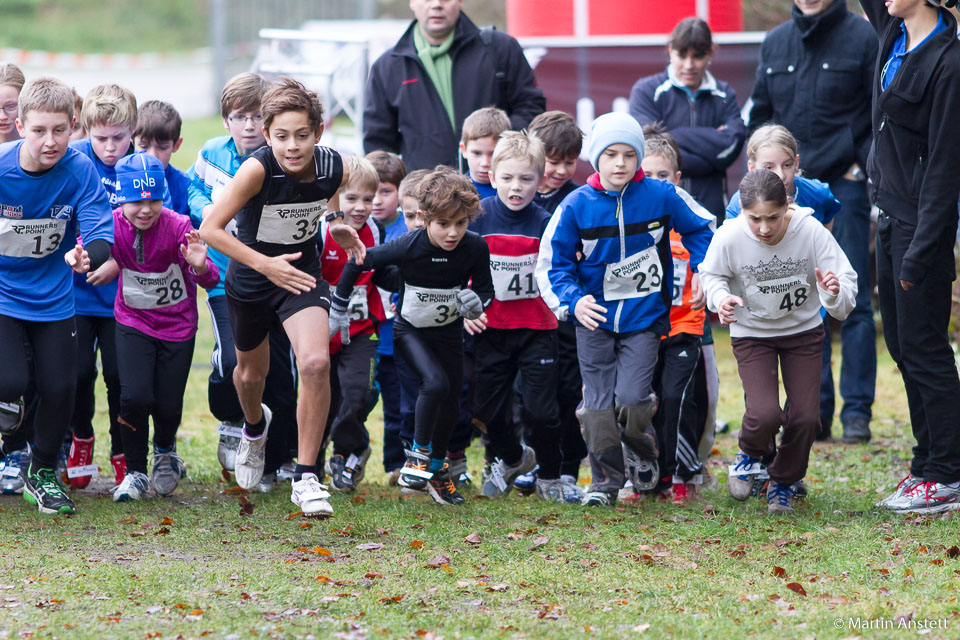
<point x="858" y="333"/>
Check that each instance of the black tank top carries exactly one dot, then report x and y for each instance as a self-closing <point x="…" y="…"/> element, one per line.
<point x="284" y="217"/>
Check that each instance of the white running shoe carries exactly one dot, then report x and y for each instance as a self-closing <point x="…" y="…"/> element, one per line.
<point x="250" y="455"/>
<point x="311" y="497"/>
<point x="134" y="486"/>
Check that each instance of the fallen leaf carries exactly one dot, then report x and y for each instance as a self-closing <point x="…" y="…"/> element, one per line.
<point x="225" y="475"/>
<point x="162" y="531"/>
<point x="779" y="572"/>
<point x="953" y="551"/>
<point x="937" y="562"/>
<point x="381" y="531"/>
<point x="417" y="544"/>
<point x="796" y="587"/>
<point x="514" y="536"/>
<point x="498" y="587"/>
<point x="390" y="599"/>
<point x="306" y="525"/>
<point x="295" y="514"/>
<point x="373" y="575"/>
<point x="167" y="521"/>
<point x="538" y="542"/>
<point x="129" y="520"/>
<point x="438" y="560"/>
<point x="368" y="546"/>
<point x="473" y="538"/>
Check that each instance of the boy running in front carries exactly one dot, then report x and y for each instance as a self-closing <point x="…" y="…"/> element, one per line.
<point x="279" y="197"/>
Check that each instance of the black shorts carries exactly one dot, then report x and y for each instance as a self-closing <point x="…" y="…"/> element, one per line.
<point x="251" y="320"/>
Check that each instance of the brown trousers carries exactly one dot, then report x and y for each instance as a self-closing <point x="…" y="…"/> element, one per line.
<point x="799" y="358"/>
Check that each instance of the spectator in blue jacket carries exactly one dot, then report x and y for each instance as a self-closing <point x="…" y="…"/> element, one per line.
<point x="699" y="111"/>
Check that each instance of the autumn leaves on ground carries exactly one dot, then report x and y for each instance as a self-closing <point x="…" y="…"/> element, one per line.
<point x="213" y="561"/>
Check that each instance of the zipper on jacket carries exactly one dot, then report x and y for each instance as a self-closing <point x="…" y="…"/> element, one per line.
<point x="883" y="121"/>
<point x="623" y="253"/>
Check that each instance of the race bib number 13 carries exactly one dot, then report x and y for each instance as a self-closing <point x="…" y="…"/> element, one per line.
<point x="31" y="238"/>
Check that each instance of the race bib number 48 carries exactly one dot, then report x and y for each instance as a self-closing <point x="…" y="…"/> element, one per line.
<point x="153" y="290"/>
<point x="31" y="238"/>
<point x="776" y="298"/>
<point x="513" y="277"/>
<point x="290" y="223"/>
<point x="638" y="276"/>
<point x="423" y="307"/>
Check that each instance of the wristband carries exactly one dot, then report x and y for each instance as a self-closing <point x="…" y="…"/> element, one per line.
<point x="338" y="302"/>
<point x="333" y="215"/>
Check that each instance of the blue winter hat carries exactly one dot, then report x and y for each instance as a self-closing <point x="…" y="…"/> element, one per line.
<point x="139" y="177"/>
<point x="614" y="128"/>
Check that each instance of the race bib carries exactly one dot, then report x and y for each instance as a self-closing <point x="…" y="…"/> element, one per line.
<point x="679" y="280"/>
<point x="153" y="290"/>
<point x="357" y="309"/>
<point x="290" y="223"/>
<point x="638" y="276"/>
<point x="513" y="277"/>
<point x="424" y="308"/>
<point x="385" y="300"/>
<point x="31" y="238"/>
<point x="776" y="298"/>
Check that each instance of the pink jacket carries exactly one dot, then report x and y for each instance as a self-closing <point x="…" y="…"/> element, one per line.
<point x="158" y="294"/>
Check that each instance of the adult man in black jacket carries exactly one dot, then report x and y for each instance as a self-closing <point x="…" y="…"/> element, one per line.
<point x="913" y="165"/>
<point x="814" y="78"/>
<point x="407" y="114"/>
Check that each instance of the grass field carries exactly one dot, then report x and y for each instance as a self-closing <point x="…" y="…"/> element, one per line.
<point x="200" y="563"/>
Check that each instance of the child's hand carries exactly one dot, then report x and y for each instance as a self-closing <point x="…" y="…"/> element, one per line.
<point x="347" y="237"/>
<point x="828" y="281"/>
<point x="107" y="272"/>
<point x="697" y="299"/>
<point x="589" y="313"/>
<point x="286" y="276"/>
<point x="727" y="310"/>
<point x="77" y="259"/>
<point x="194" y="251"/>
<point x="474" y="327"/>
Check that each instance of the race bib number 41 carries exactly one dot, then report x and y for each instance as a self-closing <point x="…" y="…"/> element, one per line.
<point x="513" y="277"/>
<point x="290" y="223"/>
<point x="153" y="290"/>
<point x="638" y="276"/>
<point x="31" y="238"/>
<point x="423" y="307"/>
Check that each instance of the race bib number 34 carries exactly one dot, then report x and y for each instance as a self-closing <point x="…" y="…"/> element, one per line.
<point x="31" y="238"/>
<point x="153" y="290"/>
<point x="513" y="277"/>
<point x="290" y="223"/>
<point x="423" y="307"/>
<point x="638" y="276"/>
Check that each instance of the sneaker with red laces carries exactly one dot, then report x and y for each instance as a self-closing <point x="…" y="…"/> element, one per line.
<point x="81" y="455"/>
<point x="119" y="463"/>
<point x="927" y="497"/>
<point x="909" y="482"/>
<point x="684" y="492"/>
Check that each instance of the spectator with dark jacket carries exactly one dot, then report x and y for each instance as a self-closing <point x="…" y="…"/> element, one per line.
<point x="441" y="70"/>
<point x="814" y="78"/>
<point x="699" y="111"/>
<point x="916" y="178"/>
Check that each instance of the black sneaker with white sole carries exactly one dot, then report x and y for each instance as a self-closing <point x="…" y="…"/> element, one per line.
<point x="442" y="489"/>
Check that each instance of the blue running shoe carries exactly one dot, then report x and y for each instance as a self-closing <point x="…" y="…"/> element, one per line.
<point x="527" y="482"/>
<point x="11" y="481"/>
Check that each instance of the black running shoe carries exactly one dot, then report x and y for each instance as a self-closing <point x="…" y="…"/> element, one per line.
<point x="442" y="489"/>
<point x="416" y="470"/>
<point x="42" y="489"/>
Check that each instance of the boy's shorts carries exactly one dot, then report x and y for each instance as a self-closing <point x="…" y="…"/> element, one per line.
<point x="251" y="320"/>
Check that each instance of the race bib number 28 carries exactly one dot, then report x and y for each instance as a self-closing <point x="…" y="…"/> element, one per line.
<point x="153" y="290"/>
<point x="31" y="238"/>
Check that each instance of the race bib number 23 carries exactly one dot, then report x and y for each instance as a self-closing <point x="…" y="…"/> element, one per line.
<point x="638" y="276"/>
